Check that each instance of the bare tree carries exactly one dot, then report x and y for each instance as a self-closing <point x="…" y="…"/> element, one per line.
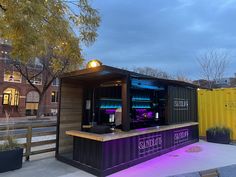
<point x="155" y="72"/>
<point x="213" y="65"/>
<point x="181" y="76"/>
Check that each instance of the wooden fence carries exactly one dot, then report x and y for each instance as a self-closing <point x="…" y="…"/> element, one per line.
<point x="29" y="131"/>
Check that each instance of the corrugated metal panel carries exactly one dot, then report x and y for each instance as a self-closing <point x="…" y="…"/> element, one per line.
<point x="132" y="150"/>
<point x="217" y="107"/>
<point x="182" y="105"/>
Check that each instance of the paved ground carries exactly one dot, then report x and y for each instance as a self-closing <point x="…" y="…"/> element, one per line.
<point x="203" y="156"/>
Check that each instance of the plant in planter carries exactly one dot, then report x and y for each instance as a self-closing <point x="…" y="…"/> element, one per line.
<point x="11" y="153"/>
<point x="218" y="135"/>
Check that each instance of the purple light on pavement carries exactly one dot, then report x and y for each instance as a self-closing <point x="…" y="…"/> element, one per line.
<point x="167" y="164"/>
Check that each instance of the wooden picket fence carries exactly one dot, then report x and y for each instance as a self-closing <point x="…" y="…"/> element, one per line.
<point x="28" y="131"/>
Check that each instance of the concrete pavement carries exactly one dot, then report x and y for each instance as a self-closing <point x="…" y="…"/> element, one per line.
<point x="49" y="167"/>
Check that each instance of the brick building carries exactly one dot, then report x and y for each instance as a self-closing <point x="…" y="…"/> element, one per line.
<point x="17" y="96"/>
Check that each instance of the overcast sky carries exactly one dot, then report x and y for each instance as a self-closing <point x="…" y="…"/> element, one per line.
<point x="167" y="34"/>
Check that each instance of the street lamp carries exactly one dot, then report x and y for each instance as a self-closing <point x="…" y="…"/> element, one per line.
<point x="93" y="64"/>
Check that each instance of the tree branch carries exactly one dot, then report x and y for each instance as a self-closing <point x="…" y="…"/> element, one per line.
<point x="3" y="8"/>
<point x="36" y="75"/>
<point x="18" y="67"/>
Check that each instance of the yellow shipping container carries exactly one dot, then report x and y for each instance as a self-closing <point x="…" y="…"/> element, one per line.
<point x="217" y="107"/>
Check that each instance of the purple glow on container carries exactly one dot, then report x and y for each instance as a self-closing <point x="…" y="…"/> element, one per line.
<point x="144" y="113"/>
<point x="149" y="114"/>
<point x="141" y="110"/>
<point x="110" y="111"/>
<point x="141" y="129"/>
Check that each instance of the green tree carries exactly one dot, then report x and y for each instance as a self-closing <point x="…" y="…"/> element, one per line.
<point x="51" y="31"/>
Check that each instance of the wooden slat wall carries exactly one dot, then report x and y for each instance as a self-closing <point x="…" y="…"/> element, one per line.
<point x="70" y="114"/>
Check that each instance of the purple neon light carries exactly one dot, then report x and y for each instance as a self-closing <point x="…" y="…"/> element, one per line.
<point x="110" y="111"/>
<point x="144" y="113"/>
<point x="141" y="110"/>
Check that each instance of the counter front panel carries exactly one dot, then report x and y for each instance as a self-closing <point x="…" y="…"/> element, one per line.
<point x="111" y="156"/>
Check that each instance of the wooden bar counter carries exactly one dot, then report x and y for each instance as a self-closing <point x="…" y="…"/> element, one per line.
<point x="118" y="134"/>
<point x="104" y="154"/>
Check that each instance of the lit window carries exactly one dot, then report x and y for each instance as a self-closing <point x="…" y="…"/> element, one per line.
<point x="54" y="97"/>
<point x="6" y="98"/>
<point x="10" y="97"/>
<point x="12" y="76"/>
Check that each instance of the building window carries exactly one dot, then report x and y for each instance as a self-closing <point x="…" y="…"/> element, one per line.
<point x="3" y="56"/>
<point x="35" y="64"/>
<point x="5" y="41"/>
<point x="6" y="99"/>
<point x="4" y="52"/>
<point x="32" y="97"/>
<point x="32" y="100"/>
<point x="36" y="80"/>
<point x="55" y="82"/>
<point x="54" y="97"/>
<point x="12" y="76"/>
<point x="54" y="112"/>
<point x="11" y="97"/>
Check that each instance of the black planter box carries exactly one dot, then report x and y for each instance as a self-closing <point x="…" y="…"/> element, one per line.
<point x="11" y="159"/>
<point x="222" y="138"/>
